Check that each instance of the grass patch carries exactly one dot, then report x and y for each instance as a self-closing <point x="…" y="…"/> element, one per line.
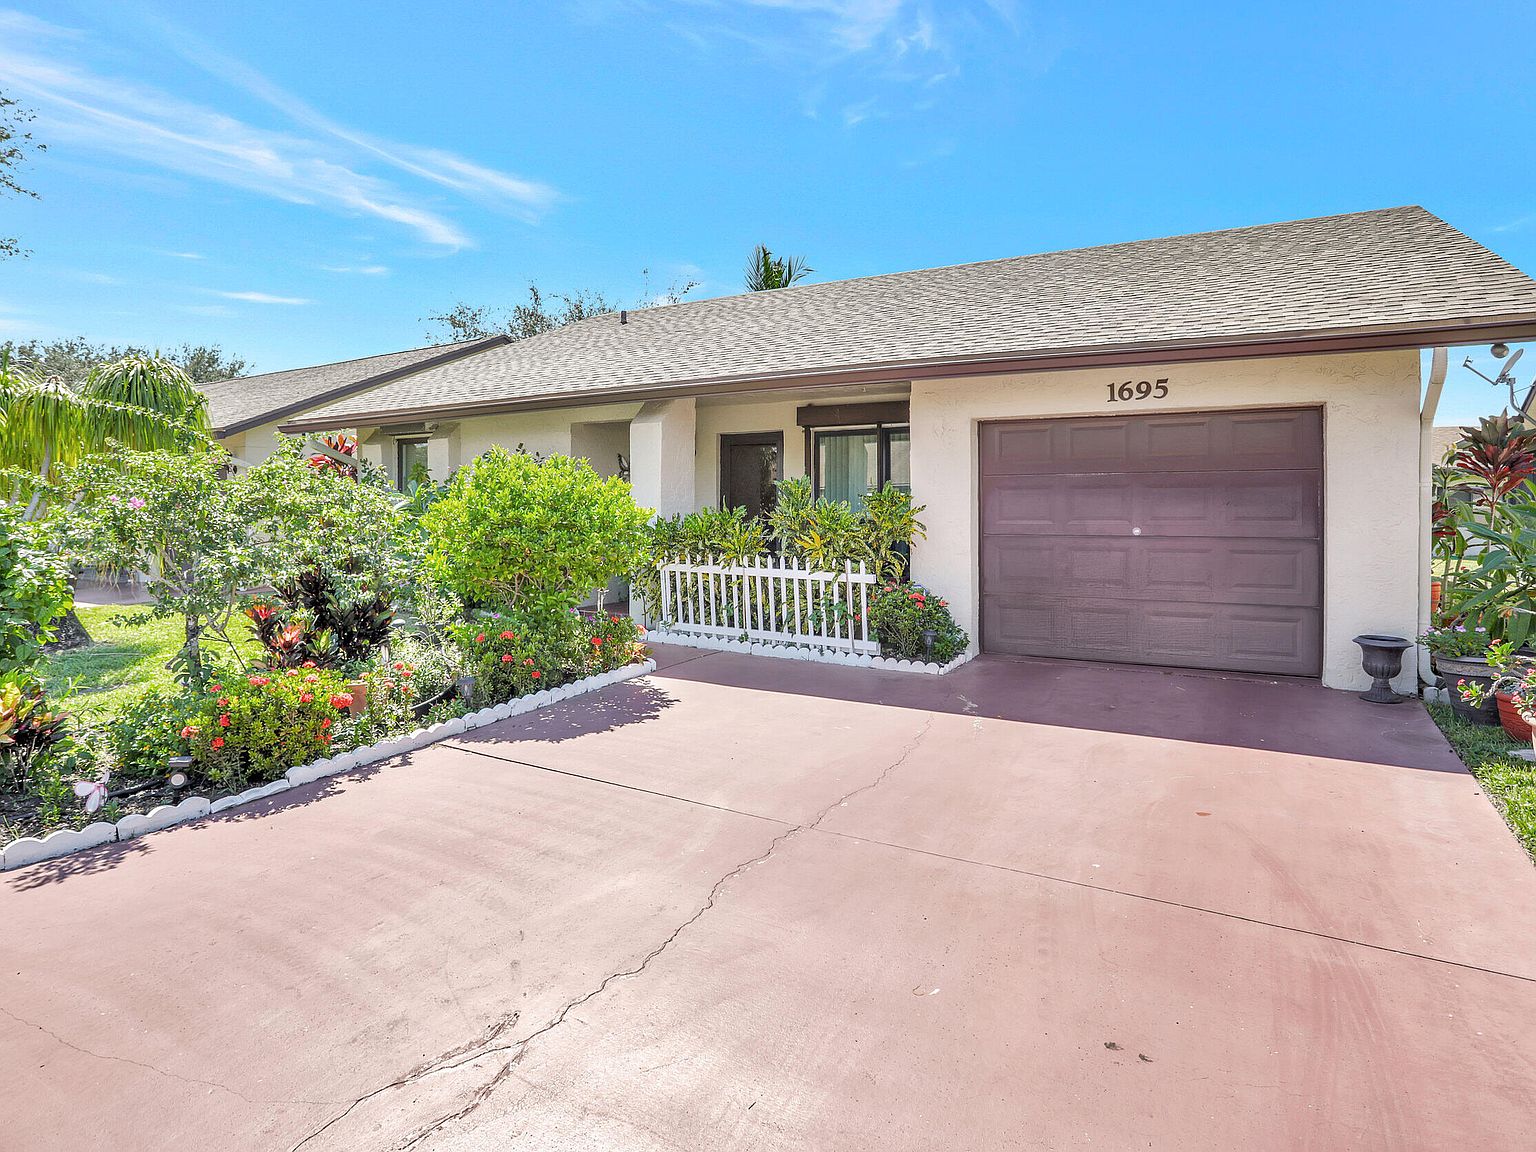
<point x="125" y="660"/>
<point x="1489" y="754"/>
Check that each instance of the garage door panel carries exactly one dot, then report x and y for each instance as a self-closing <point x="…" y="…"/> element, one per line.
<point x="1185" y="539"/>
<point x="1269" y="503"/>
<point x="1171" y="442"/>
<point x="1265" y="572"/>
<point x="1226" y="637"/>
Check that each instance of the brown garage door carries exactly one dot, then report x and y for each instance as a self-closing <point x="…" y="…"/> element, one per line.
<point x="1190" y="540"/>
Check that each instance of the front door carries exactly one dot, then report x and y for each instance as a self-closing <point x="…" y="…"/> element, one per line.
<point x="749" y="465"/>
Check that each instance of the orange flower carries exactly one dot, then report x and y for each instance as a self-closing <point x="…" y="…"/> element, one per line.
<point x="218" y="742"/>
<point x="341" y="700"/>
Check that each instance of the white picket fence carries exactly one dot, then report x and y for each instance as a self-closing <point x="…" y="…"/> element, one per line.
<point x="769" y="598"/>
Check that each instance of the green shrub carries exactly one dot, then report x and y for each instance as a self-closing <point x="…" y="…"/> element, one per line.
<point x="253" y="728"/>
<point x="146" y="732"/>
<point x="534" y="535"/>
<point x="898" y="616"/>
<point x="29" y="728"/>
<point x="34" y="590"/>
<point x="513" y="654"/>
<point x="611" y="642"/>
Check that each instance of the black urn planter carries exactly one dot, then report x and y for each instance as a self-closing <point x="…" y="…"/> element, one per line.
<point x="1382" y="659"/>
<point x="1455" y="671"/>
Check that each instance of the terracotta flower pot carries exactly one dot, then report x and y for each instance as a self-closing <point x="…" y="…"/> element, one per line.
<point x="1515" y="724"/>
<point x="358" y="690"/>
<point x="1434" y="599"/>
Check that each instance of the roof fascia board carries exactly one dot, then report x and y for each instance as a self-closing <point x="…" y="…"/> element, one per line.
<point x="1473" y="332"/>
<point x="346" y="390"/>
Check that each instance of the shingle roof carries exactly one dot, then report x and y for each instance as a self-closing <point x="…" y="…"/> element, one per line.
<point x="246" y="401"/>
<point x="1396" y="270"/>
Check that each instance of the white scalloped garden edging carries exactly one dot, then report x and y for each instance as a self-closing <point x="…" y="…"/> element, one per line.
<point x="31" y="849"/>
<point x="816" y="654"/>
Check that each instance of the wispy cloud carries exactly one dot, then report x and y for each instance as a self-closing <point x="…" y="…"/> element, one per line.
<point x="263" y="298"/>
<point x="310" y="159"/>
<point x="356" y="269"/>
<point x="1519" y="224"/>
<point x="187" y="255"/>
<point x="845" y="51"/>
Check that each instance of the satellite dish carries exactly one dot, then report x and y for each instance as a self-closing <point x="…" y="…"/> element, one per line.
<point x="1509" y="368"/>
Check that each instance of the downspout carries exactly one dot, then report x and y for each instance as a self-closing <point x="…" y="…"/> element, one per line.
<point x="1437" y="367"/>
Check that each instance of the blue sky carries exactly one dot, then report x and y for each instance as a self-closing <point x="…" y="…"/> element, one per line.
<point x="304" y="182"/>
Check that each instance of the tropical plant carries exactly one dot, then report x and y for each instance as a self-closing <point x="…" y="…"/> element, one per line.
<point x="140" y="403"/>
<point x="1496" y="588"/>
<point x="765" y="271"/>
<point x="515" y="653"/>
<point x="900" y="614"/>
<point x="253" y="728"/>
<point x="1496" y="457"/>
<point x="73" y="358"/>
<point x="534" y="535"/>
<point x="28" y="729"/>
<point x="326" y="614"/>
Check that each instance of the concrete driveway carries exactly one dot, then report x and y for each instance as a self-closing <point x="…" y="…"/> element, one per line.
<point x="752" y="904"/>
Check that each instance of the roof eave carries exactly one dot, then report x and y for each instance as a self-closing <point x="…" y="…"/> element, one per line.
<point x="1475" y="330"/>
<point x="345" y="390"/>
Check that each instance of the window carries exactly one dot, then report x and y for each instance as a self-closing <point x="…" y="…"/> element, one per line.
<point x="849" y="463"/>
<point x="410" y="461"/>
<point x="749" y="464"/>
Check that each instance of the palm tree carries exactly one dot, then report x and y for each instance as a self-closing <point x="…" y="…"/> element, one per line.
<point x="765" y="270"/>
<point x="144" y="403"/>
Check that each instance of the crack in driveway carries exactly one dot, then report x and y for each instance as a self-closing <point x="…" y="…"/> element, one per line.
<point x="486" y="1045"/>
<point x="73" y="1047"/>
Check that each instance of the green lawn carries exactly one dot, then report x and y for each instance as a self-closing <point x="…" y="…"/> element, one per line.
<point x="124" y="661"/>
<point x="1489" y="754"/>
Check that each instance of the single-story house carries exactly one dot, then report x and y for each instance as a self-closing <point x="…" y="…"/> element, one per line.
<point x="245" y="412"/>
<point x="1203" y="451"/>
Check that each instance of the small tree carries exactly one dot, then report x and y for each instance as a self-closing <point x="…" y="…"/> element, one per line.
<point x="178" y="517"/>
<point x="532" y="535"/>
<point x="34" y="591"/>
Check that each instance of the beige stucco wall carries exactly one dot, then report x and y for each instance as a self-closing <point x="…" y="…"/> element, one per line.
<point x="1370" y="445"/>
<point x="253" y="445"/>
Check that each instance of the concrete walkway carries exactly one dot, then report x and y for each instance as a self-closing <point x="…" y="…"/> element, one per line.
<point x="755" y="904"/>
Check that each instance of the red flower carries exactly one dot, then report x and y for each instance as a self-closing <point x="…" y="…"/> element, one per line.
<point x="223" y="701"/>
<point x="506" y="657"/>
<point x="535" y="673"/>
<point x="480" y="639"/>
<point x="341" y="700"/>
<point x="324" y="737"/>
<point x="224" y="720"/>
<point x="218" y="742"/>
<point x="613" y="619"/>
<point x="324" y="724"/>
<point x="509" y="636"/>
<point x="309" y="664"/>
<point x="406" y="675"/>
<point x="306" y="697"/>
<point x="259" y="681"/>
<point x="217" y="688"/>
<point x="311" y="679"/>
<point x="597" y="640"/>
<point x="291" y="672"/>
<point x="189" y="731"/>
<point x="528" y="661"/>
<point x="399" y="666"/>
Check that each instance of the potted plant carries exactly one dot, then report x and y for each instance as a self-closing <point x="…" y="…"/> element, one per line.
<point x="1460" y="655"/>
<point x="1512" y="689"/>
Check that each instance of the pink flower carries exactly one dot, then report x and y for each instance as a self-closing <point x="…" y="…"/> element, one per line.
<point x="506" y="657"/>
<point x="259" y="681"/>
<point x="189" y="731"/>
<point x="135" y="503"/>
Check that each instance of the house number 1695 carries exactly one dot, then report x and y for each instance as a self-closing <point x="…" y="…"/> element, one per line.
<point x="1138" y="390"/>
